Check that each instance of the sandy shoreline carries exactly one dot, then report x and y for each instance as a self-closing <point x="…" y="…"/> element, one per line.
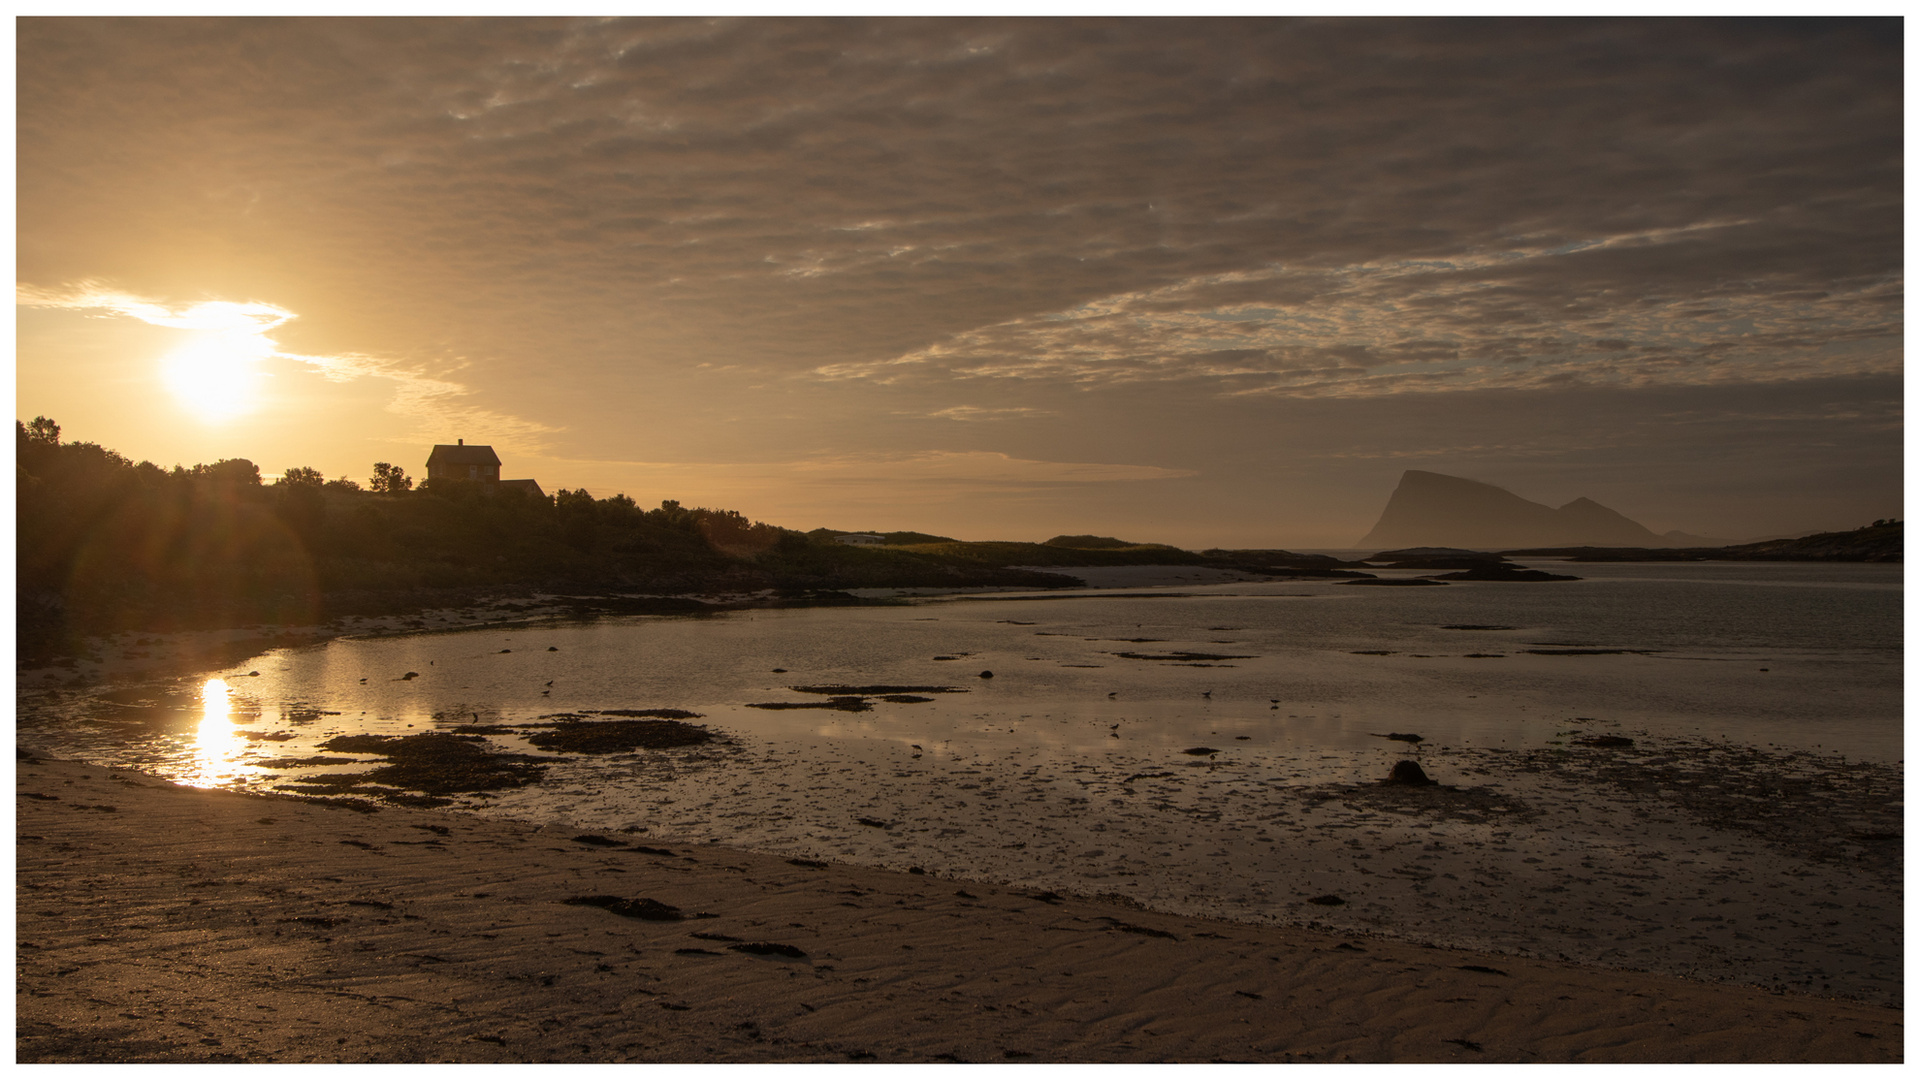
<point x="188" y="925"/>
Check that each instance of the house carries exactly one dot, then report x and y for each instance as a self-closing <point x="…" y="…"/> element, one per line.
<point x="463" y="462"/>
<point x="531" y="487"/>
<point x="860" y="540"/>
<point x="476" y="463"/>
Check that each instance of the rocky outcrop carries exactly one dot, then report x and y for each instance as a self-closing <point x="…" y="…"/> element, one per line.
<point x="1433" y="509"/>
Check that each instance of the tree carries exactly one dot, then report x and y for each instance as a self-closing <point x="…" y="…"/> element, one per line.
<point x="238" y="472"/>
<point x="302" y="476"/>
<point x="43" y="431"/>
<point x="344" y="484"/>
<point x="578" y="500"/>
<point x="390" y="479"/>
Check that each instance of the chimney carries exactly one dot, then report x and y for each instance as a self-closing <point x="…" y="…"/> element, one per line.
<point x="460" y="442"/>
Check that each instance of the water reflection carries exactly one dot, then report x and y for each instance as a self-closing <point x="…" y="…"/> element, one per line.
<point x="217" y="742"/>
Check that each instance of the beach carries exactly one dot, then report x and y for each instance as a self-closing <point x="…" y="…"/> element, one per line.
<point x="165" y="923"/>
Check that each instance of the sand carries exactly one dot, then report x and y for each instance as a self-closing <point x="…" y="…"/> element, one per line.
<point x="161" y="923"/>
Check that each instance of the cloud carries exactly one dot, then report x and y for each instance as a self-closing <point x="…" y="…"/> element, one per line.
<point x="978" y="469"/>
<point x="246" y="328"/>
<point x="823" y="193"/>
<point x="218" y="316"/>
<point x="1518" y="318"/>
<point x="975" y="413"/>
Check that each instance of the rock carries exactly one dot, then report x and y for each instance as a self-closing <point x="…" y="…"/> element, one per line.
<point x="1606" y="742"/>
<point x="1328" y="900"/>
<point x="1144" y="931"/>
<point x="1506" y="573"/>
<point x="1199" y="751"/>
<point x="1409" y="772"/>
<point x="768" y="948"/>
<point x="1400" y="736"/>
<point x="643" y="908"/>
<point x="1434" y="509"/>
<point x="619" y="736"/>
<point x="986" y="674"/>
<point x="437" y="763"/>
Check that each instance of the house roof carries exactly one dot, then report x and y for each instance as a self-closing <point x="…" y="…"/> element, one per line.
<point x="462" y="455"/>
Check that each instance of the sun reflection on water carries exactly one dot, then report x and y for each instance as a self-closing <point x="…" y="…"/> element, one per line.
<point x="217" y="742"/>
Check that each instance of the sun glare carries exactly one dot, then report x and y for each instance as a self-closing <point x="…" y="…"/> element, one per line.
<point x="216" y="742"/>
<point x="216" y="375"/>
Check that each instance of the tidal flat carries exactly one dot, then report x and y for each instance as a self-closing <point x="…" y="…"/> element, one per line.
<point x="1691" y="771"/>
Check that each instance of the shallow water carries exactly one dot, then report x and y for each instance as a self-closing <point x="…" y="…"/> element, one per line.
<point x="1067" y="768"/>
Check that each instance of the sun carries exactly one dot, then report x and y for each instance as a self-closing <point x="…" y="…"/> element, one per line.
<point x="216" y="375"/>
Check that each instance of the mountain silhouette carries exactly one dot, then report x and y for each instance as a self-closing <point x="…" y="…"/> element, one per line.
<point x="1434" y="510"/>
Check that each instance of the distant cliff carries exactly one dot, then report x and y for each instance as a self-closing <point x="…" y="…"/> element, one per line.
<point x="1433" y="510"/>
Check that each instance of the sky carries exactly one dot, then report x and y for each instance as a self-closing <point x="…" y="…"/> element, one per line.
<point x="1210" y="283"/>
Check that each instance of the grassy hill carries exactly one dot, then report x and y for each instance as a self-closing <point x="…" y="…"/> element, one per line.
<point x="106" y="544"/>
<point x="1882" y="541"/>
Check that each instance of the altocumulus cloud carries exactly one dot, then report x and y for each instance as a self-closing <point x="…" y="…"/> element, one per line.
<point x="1187" y="195"/>
<point x="1587" y="312"/>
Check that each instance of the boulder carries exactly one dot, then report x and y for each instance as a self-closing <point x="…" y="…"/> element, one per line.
<point x="1410" y="773"/>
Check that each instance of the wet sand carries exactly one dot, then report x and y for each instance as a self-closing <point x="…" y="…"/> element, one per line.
<point x="160" y="923"/>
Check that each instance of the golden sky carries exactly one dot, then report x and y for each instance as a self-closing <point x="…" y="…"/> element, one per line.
<point x="1208" y="283"/>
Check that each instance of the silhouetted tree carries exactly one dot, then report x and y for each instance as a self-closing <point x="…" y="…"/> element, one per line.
<point x="299" y="502"/>
<point x="235" y="472"/>
<point x="390" y="479"/>
<point x="43" y="431"/>
<point x="576" y="500"/>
